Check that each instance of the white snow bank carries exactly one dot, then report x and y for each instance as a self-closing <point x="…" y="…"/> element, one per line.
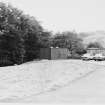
<point x="37" y="77"/>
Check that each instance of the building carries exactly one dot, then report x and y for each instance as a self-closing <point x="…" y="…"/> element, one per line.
<point x="54" y="53"/>
<point x="94" y="51"/>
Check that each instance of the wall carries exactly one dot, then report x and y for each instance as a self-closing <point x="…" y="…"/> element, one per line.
<point x="54" y="53"/>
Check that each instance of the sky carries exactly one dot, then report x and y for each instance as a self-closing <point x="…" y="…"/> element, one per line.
<point x="65" y="15"/>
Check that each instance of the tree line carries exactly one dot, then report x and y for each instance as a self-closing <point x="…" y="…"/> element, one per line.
<point x="22" y="36"/>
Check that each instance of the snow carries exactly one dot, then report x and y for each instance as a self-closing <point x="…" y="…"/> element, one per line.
<point x="86" y="90"/>
<point x="39" y="77"/>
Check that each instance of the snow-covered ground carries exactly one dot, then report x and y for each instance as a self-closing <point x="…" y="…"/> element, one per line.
<point x="49" y="80"/>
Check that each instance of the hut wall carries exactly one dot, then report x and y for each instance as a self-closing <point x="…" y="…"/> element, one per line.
<point x="54" y="53"/>
<point x="59" y="53"/>
<point x="45" y="53"/>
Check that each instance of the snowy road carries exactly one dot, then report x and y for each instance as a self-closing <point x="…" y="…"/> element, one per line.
<point x="90" y="89"/>
<point x="71" y="81"/>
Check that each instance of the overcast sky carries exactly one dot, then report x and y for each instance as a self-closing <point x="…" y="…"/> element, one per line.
<point x="62" y="15"/>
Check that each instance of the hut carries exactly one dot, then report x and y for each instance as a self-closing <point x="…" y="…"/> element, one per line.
<point x="54" y="53"/>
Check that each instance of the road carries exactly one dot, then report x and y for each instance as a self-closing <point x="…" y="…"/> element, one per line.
<point x="87" y="89"/>
<point x="90" y="89"/>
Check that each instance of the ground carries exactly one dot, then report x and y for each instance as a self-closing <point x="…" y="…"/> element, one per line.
<point x="90" y="89"/>
<point x="53" y="81"/>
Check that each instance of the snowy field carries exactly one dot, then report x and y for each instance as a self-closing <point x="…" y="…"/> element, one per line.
<point x="27" y="82"/>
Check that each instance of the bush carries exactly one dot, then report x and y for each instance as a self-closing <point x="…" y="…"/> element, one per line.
<point x="6" y="63"/>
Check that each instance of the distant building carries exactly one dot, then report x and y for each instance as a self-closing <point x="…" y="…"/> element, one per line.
<point x="54" y="53"/>
<point x="94" y="51"/>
